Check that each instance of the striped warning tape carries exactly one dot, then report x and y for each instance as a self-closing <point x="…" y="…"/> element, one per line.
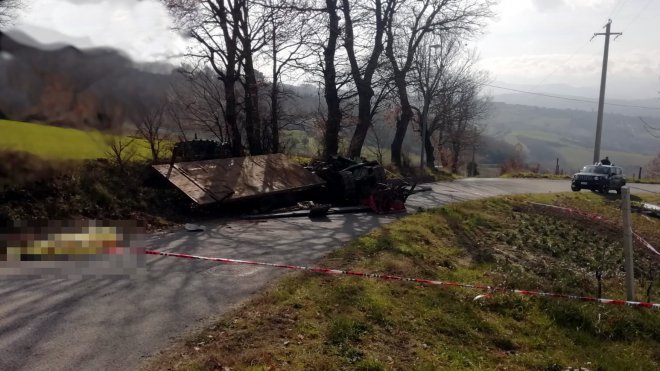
<point x="599" y="218"/>
<point x="417" y="280"/>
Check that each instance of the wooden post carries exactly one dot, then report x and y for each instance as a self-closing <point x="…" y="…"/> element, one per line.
<point x="627" y="245"/>
<point x="639" y="177"/>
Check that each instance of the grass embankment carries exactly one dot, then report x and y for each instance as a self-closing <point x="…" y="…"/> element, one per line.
<point x="313" y="321"/>
<point x="645" y="181"/>
<point x="60" y="143"/>
<point x="32" y="188"/>
<point x="529" y="174"/>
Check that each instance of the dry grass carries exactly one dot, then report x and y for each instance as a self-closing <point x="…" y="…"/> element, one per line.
<point x="310" y="321"/>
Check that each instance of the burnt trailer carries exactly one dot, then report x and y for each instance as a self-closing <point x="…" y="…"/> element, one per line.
<point x="274" y="181"/>
<point x="238" y="178"/>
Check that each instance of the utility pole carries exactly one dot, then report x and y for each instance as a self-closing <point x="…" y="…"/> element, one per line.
<point x="603" y="77"/>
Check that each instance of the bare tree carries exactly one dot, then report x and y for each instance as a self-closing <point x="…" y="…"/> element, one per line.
<point x="8" y="9"/>
<point x="406" y="26"/>
<point x="216" y="26"/>
<point x="120" y="149"/>
<point x="653" y="168"/>
<point x="431" y="65"/>
<point x="462" y="127"/>
<point x="441" y="69"/>
<point x="370" y="17"/>
<point x="149" y="121"/>
<point x="176" y="110"/>
<point x="230" y="34"/>
<point x="253" y="36"/>
<point x="200" y="102"/>
<point x="286" y="50"/>
<point x="333" y="121"/>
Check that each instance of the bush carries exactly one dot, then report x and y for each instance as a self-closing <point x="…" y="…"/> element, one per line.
<point x="33" y="189"/>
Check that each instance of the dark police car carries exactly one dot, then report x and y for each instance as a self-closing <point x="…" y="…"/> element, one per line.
<point x="599" y="178"/>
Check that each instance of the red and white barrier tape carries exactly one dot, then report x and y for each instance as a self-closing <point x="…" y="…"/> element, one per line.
<point x="599" y="218"/>
<point x="417" y="280"/>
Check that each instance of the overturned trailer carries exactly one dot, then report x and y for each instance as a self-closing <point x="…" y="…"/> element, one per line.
<point x="336" y="181"/>
<point x="238" y="178"/>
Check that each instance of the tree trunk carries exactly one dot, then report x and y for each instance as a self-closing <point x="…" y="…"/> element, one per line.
<point x="252" y="120"/>
<point x="363" y="82"/>
<point x="274" y="113"/>
<point x="430" y="155"/>
<point x="333" y="122"/>
<point x="274" y="104"/>
<point x="154" y="151"/>
<point x="231" y="116"/>
<point x="365" y="93"/>
<point x="403" y="120"/>
<point x="455" y="155"/>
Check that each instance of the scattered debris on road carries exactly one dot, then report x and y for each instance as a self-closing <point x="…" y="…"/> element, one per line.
<point x="194" y="227"/>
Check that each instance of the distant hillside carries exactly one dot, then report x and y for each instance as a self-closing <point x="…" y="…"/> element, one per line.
<point x="547" y="134"/>
<point x="65" y="86"/>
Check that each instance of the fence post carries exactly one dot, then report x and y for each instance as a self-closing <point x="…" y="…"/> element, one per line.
<point x="639" y="177"/>
<point x="627" y="245"/>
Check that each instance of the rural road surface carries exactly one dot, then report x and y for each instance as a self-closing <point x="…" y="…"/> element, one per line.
<point x="114" y="323"/>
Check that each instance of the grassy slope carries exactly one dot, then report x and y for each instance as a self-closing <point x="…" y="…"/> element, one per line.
<point x="57" y="143"/>
<point x="574" y="156"/>
<point x="311" y="321"/>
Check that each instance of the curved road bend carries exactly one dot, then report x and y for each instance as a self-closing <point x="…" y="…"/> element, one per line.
<point x="113" y="323"/>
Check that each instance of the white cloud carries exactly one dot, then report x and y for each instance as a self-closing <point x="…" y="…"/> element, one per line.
<point x="631" y="74"/>
<point x="545" y="5"/>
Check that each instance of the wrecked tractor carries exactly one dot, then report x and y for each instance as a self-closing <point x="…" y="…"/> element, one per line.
<point x="365" y="183"/>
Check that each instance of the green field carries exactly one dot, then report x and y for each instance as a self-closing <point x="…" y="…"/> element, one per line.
<point x="59" y="143"/>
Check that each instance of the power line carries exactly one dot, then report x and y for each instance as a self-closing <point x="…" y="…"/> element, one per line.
<point x="560" y="65"/>
<point x="637" y="15"/>
<point x="617" y="8"/>
<point x="571" y="99"/>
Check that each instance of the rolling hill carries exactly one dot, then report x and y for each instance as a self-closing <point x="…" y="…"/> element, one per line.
<point x="546" y="134"/>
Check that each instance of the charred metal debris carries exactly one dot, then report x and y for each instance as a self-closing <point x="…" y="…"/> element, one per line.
<point x="208" y="175"/>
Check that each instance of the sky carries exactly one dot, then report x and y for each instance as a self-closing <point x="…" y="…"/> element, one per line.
<point x="546" y="42"/>
<point x="536" y="45"/>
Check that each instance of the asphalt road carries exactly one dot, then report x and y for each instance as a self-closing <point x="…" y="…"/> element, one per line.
<point x="114" y="323"/>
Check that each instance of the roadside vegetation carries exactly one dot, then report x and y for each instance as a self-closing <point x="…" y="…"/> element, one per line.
<point x="35" y="188"/>
<point x="313" y="321"/>
<point x="529" y="174"/>
<point x="646" y="181"/>
<point x="32" y="188"/>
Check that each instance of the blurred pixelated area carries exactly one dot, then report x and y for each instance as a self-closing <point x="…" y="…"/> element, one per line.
<point x="72" y="248"/>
